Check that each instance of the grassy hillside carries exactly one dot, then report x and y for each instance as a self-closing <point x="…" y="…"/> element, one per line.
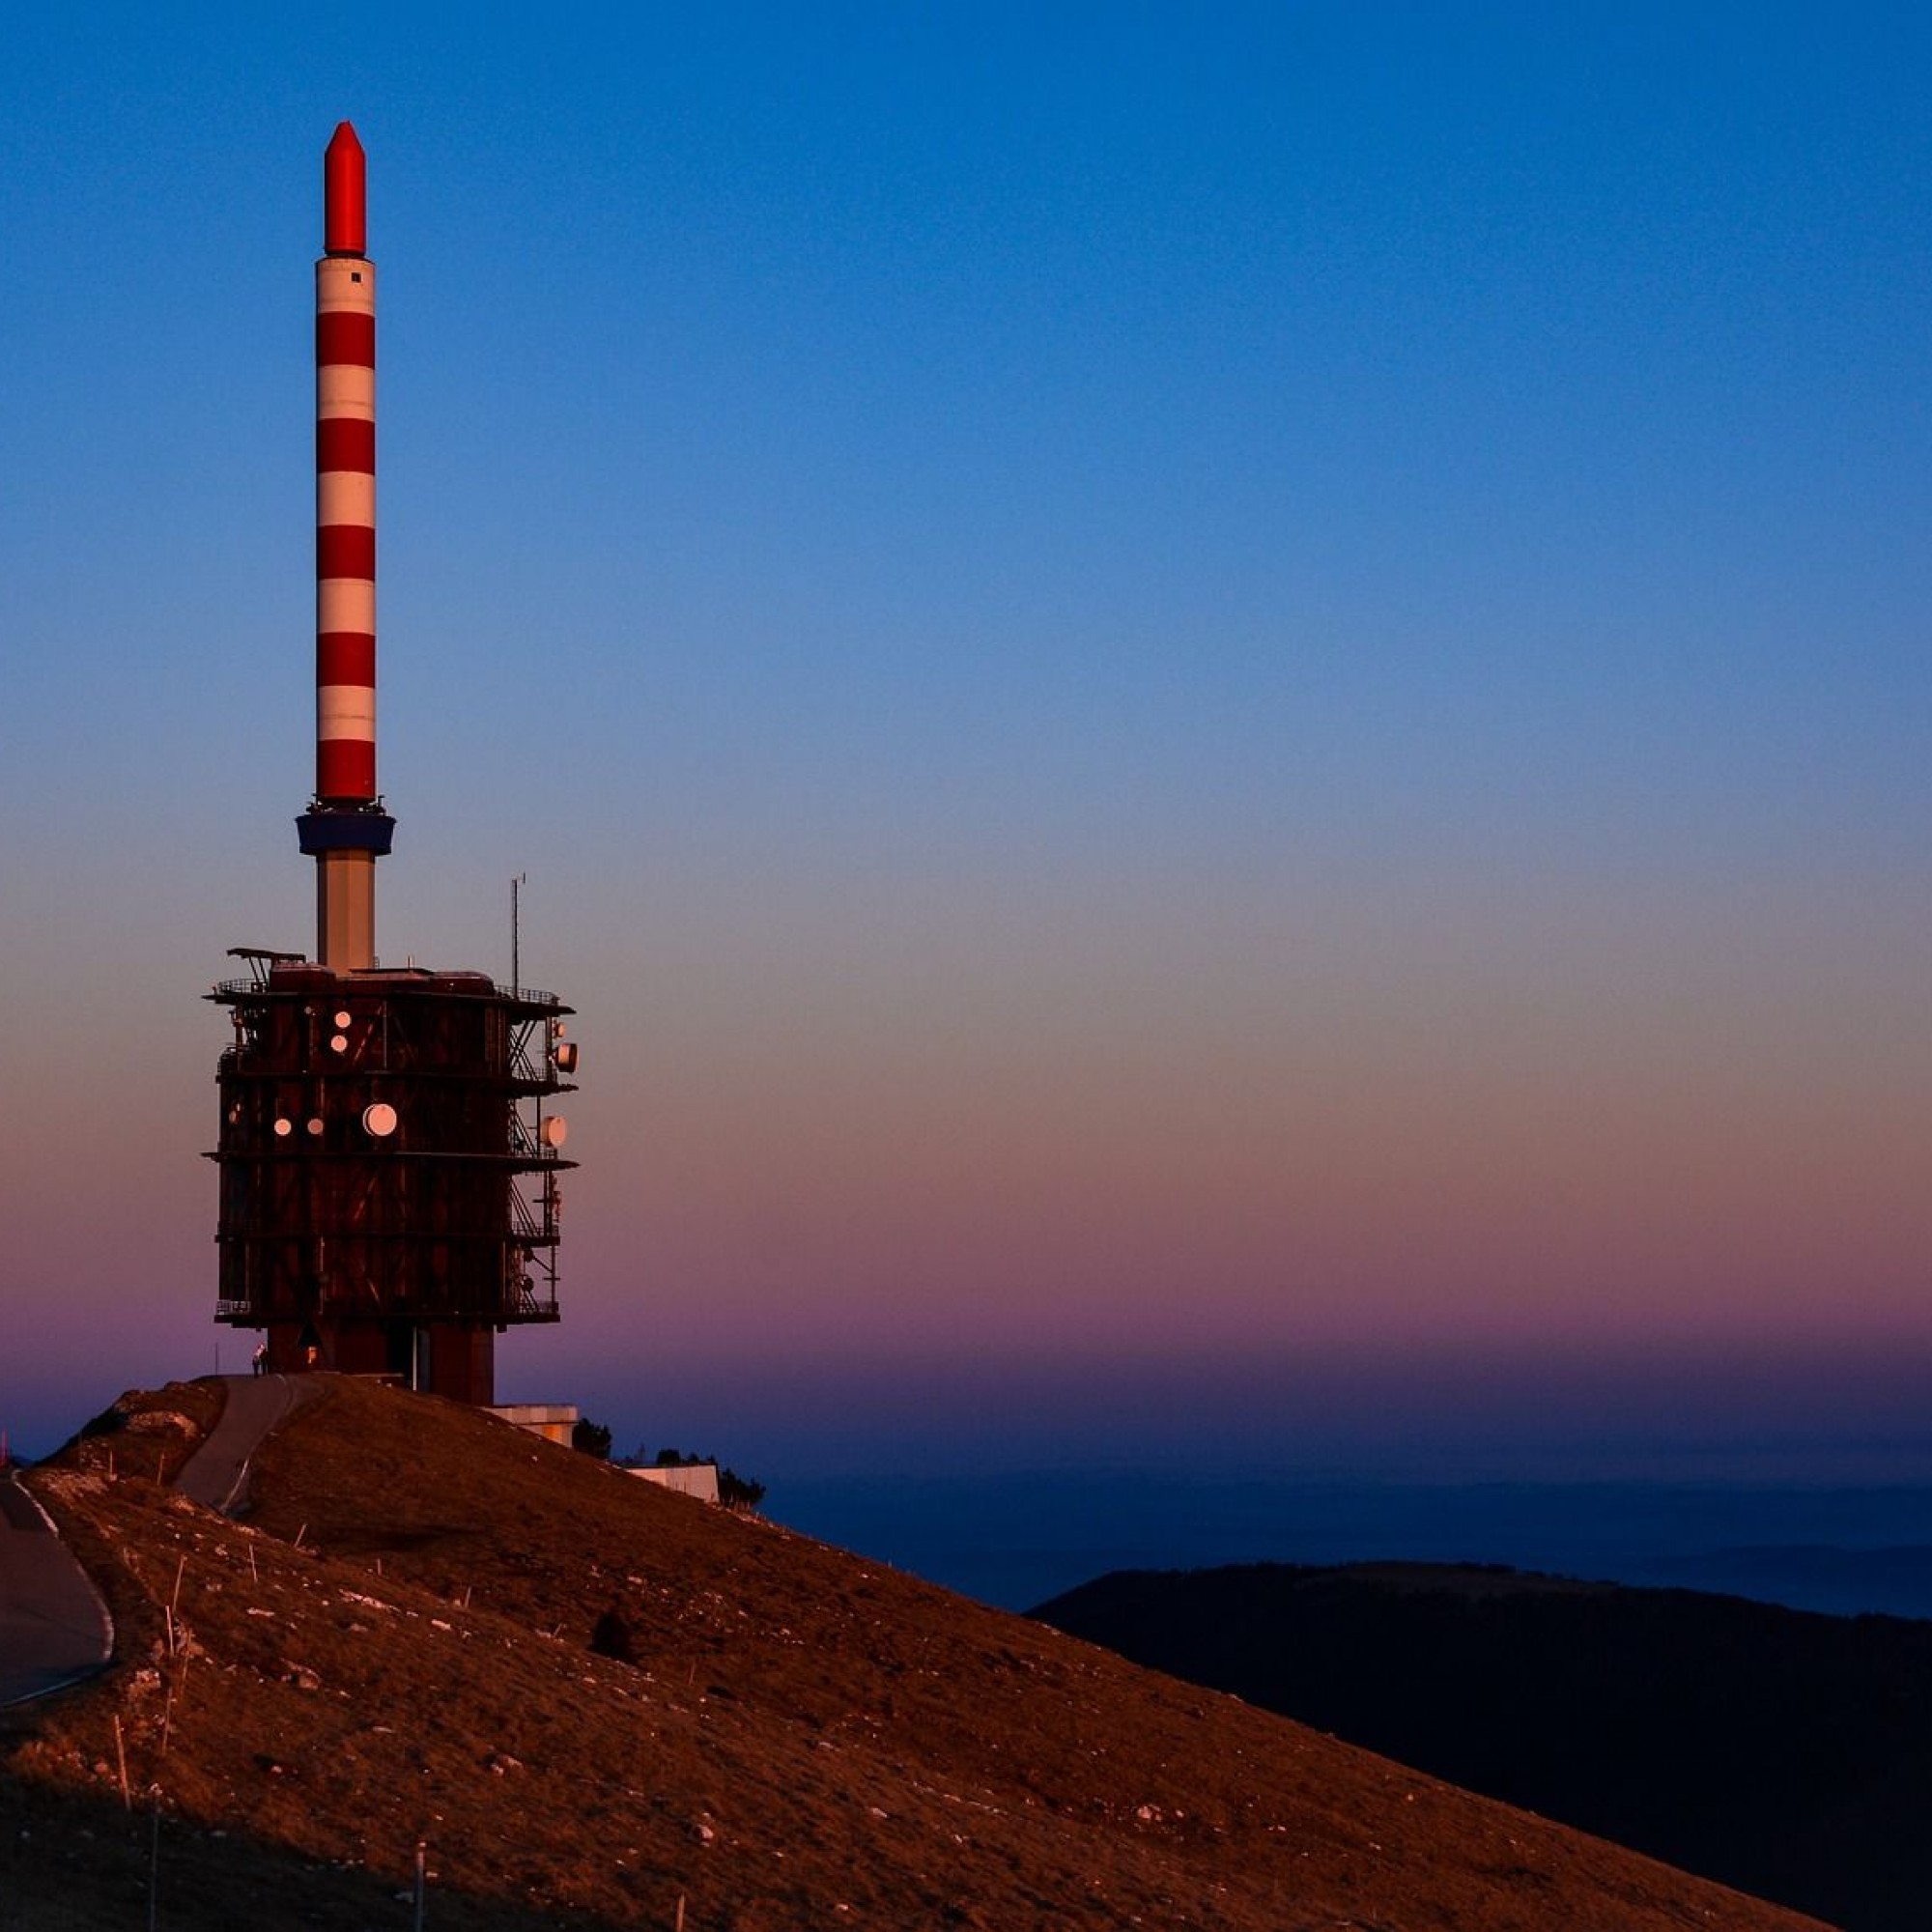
<point x="1786" y="1752"/>
<point x="399" y="1646"/>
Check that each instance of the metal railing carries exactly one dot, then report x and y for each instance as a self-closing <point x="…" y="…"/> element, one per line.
<point x="530" y="996"/>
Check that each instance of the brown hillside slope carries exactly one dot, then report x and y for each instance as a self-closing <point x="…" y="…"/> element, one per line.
<point x="397" y="1647"/>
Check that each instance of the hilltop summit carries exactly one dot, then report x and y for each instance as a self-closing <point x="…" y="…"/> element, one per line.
<point x="598" y="1705"/>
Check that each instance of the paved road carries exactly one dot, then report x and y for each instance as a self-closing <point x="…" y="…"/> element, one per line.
<point x="217" y="1475"/>
<point x="54" y="1628"/>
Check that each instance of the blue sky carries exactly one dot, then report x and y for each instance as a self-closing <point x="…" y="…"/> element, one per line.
<point x="1186" y="692"/>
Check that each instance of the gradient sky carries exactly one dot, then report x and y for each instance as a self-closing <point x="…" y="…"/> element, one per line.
<point x="1220" y="713"/>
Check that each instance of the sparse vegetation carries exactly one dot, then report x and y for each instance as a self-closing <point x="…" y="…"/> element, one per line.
<point x="737" y="1491"/>
<point x="612" y="1638"/>
<point x="418" y="1634"/>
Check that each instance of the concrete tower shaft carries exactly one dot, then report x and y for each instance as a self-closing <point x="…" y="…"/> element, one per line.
<point x="346" y="828"/>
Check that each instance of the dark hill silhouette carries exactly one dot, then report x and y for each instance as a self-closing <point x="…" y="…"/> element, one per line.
<point x="593" y="1700"/>
<point x="1786" y="1752"/>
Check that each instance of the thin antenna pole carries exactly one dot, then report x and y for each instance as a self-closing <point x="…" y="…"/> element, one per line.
<point x="516" y="933"/>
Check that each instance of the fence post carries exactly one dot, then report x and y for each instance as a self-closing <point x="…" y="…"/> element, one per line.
<point x="155" y="1861"/>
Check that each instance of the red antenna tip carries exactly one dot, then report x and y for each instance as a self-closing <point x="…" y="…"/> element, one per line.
<point x="345" y="229"/>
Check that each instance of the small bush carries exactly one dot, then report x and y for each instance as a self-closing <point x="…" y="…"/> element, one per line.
<point x="737" y="1491"/>
<point x="611" y="1637"/>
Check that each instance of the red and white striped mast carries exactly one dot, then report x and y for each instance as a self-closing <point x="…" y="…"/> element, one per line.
<point x="345" y="829"/>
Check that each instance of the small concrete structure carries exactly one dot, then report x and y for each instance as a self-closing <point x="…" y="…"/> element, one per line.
<point x="553" y="1421"/>
<point x="685" y="1479"/>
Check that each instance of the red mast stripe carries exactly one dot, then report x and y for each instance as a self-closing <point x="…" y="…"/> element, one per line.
<point x="345" y="656"/>
<point x="345" y="335"/>
<point x="345" y="550"/>
<point x="345" y="768"/>
<point x="344" y="442"/>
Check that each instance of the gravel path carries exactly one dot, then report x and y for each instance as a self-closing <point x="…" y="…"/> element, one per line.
<point x="217" y="1475"/>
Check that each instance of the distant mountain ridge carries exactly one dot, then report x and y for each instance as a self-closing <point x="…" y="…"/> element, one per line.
<point x="1016" y="1539"/>
<point x="1818" y="1575"/>
<point x="1783" y="1751"/>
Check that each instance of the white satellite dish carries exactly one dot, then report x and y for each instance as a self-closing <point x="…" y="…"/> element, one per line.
<point x="380" y="1120"/>
<point x="285" y="1126"/>
<point x="556" y="1132"/>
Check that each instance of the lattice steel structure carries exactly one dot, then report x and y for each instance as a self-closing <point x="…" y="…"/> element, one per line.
<point x="390" y="1167"/>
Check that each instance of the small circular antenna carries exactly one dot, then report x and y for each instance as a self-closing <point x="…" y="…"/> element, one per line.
<point x="556" y="1132"/>
<point x="284" y="1127"/>
<point x="342" y="1019"/>
<point x="379" y="1120"/>
<point x="315" y="1124"/>
<point x="339" y="1043"/>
